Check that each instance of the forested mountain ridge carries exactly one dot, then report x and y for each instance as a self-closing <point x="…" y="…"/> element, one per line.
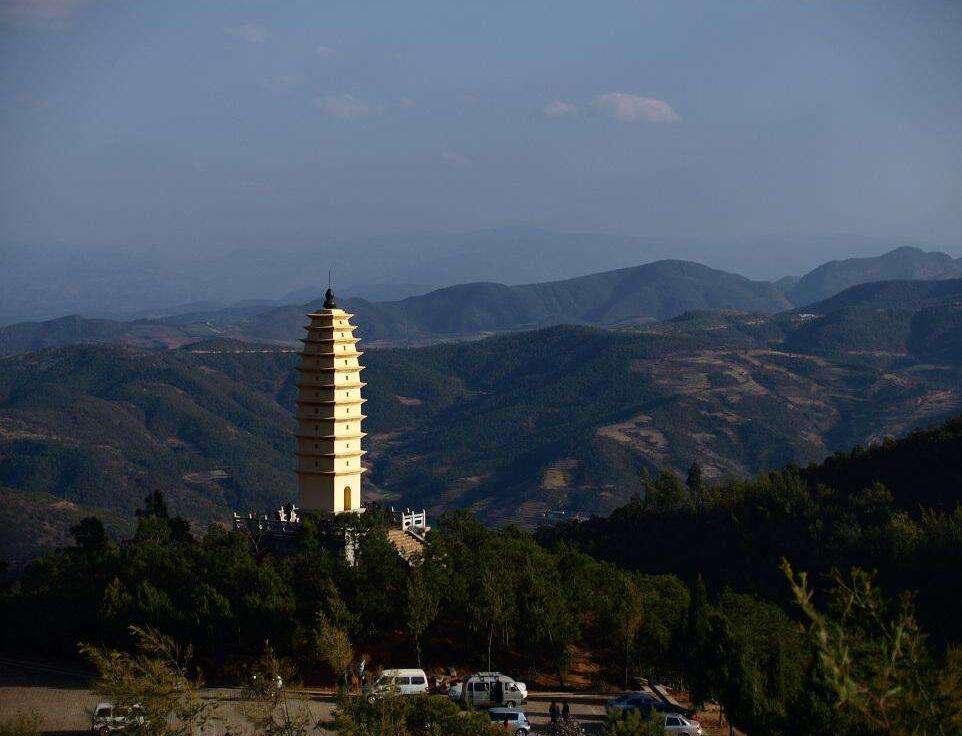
<point x="47" y="281"/>
<point x="896" y="464"/>
<point x="646" y="293"/>
<point x="568" y="418"/>
<point x="893" y="508"/>
<point x="909" y="295"/>
<point x="905" y="263"/>
<point x="918" y="318"/>
<point x="28" y="337"/>
<point x="95" y="425"/>
<point x="639" y="294"/>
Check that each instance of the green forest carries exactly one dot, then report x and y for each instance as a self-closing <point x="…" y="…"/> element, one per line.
<point x="809" y="600"/>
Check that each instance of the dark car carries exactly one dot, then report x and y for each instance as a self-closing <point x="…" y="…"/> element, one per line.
<point x="645" y="703"/>
<point x="633" y="701"/>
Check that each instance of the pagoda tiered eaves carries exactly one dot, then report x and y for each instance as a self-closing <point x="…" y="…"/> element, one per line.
<point x="329" y="414"/>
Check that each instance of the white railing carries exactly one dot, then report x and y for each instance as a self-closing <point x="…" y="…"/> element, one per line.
<point x="415" y="523"/>
<point x="416" y="519"/>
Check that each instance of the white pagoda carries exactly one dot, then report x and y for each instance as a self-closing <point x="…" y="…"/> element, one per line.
<point x="329" y="413"/>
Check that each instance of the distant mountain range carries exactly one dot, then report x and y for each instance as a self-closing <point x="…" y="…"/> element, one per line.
<point x="650" y="292"/>
<point x="44" y="282"/>
<point x="133" y="282"/>
<point x="632" y="295"/>
<point x="515" y="426"/>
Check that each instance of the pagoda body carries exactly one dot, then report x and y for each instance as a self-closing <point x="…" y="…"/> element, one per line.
<point x="329" y="414"/>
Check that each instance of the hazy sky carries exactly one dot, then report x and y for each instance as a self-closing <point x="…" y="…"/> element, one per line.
<point x="188" y="123"/>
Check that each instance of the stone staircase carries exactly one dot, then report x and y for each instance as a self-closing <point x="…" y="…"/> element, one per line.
<point x="407" y="545"/>
<point x="409" y="539"/>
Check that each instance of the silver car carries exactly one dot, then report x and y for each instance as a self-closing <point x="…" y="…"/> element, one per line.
<point x="676" y="723"/>
<point x="108" y="718"/>
<point x="514" y="720"/>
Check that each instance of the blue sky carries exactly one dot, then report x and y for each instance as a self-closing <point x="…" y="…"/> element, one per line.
<point x="183" y="125"/>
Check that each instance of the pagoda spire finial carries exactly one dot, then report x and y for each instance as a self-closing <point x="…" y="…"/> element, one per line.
<point x="330" y="301"/>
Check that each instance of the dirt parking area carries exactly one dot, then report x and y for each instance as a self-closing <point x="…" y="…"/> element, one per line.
<point x="67" y="709"/>
<point x="64" y="703"/>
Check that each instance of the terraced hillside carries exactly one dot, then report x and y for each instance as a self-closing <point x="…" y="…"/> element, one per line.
<point x="592" y="410"/>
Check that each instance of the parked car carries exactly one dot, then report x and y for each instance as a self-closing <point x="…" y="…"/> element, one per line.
<point x="516" y="720"/>
<point x="487" y="689"/>
<point x="265" y="687"/>
<point x="108" y="718"/>
<point x="633" y="701"/>
<point x="398" y="682"/>
<point x="646" y="703"/>
<point x="679" y="724"/>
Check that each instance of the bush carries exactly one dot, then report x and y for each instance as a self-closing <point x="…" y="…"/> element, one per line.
<point x="419" y="715"/>
<point x="21" y="724"/>
<point x="633" y="723"/>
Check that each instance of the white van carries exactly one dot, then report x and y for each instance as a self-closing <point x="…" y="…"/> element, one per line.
<point x="398" y="682"/>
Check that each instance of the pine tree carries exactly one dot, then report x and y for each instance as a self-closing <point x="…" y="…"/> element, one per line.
<point x="698" y="641"/>
<point x="421" y="608"/>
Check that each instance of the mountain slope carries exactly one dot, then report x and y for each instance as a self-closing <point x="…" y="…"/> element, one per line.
<point x="653" y="291"/>
<point x="896" y="465"/>
<point x="99" y="426"/>
<point x="513" y="427"/>
<point x="921" y="318"/>
<point x="895" y="294"/>
<point x="640" y="294"/>
<point x="43" y="282"/>
<point x="26" y="337"/>
<point x="892" y="509"/>
<point x="567" y="418"/>
<point x="902" y="263"/>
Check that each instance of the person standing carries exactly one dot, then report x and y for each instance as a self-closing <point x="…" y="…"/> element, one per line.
<point x="565" y="712"/>
<point x="553" y="713"/>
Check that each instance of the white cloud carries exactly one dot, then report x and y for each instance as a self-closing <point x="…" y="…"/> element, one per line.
<point x="454" y="158"/>
<point x="407" y="103"/>
<point x="632" y="108"/>
<point x="249" y="32"/>
<point x="559" y="109"/>
<point x="326" y="52"/>
<point x="345" y="107"/>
